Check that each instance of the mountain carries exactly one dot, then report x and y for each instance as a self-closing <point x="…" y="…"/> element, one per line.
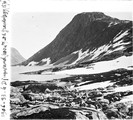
<point x="16" y="57"/>
<point x="93" y="56"/>
<point x="90" y="36"/>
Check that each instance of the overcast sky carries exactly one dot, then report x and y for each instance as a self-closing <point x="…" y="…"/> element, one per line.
<point x="33" y="30"/>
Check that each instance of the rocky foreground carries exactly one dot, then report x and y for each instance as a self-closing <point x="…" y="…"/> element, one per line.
<point x="72" y="98"/>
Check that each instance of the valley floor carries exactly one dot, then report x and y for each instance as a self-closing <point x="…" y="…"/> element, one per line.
<point x="106" y="95"/>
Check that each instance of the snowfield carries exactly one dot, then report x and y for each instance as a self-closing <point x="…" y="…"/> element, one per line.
<point x="93" y="86"/>
<point x="100" y="67"/>
<point x="125" y="88"/>
<point x="17" y="76"/>
<point x="127" y="99"/>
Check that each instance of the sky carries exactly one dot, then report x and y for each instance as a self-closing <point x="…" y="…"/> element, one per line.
<point x="33" y="31"/>
<point x="32" y="28"/>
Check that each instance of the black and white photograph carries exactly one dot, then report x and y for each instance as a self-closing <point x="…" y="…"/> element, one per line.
<point x="68" y="62"/>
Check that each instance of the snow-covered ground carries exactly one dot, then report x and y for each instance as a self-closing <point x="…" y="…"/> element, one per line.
<point x="100" y="67"/>
<point x="16" y="76"/>
<point x="125" y="88"/>
<point x="127" y="99"/>
<point x="94" y="86"/>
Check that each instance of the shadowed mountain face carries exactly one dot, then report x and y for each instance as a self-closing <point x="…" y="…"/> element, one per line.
<point x="16" y="57"/>
<point x="89" y="36"/>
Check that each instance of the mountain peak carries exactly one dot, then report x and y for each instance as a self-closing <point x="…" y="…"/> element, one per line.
<point x="94" y="16"/>
<point x="16" y="57"/>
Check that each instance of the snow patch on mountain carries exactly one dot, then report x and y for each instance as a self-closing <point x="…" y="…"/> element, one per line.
<point x="98" y="51"/>
<point x="119" y="48"/>
<point x="32" y="63"/>
<point x="47" y="60"/>
<point x="117" y="44"/>
<point x="103" y="66"/>
<point x="75" y="52"/>
<point x="120" y="43"/>
<point x="81" y="55"/>
<point x="112" y="23"/>
<point x="94" y="54"/>
<point x="120" y="35"/>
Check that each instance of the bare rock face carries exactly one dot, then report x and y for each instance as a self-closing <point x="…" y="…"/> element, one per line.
<point x="16" y="57"/>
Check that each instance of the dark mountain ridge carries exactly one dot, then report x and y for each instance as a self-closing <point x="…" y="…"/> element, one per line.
<point x="85" y="31"/>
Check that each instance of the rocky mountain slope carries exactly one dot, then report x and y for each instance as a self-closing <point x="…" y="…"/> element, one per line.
<point x="88" y="37"/>
<point x="16" y="57"/>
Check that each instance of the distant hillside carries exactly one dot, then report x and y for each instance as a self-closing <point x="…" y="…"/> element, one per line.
<point x="16" y="57"/>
